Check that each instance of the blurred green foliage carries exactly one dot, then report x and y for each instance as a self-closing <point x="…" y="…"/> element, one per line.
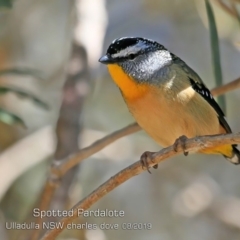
<point x="22" y="93"/>
<point x="10" y="118"/>
<point x="6" y="3"/>
<point x="215" y="52"/>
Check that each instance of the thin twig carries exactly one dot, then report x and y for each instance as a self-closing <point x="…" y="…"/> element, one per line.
<point x="226" y="88"/>
<point x="44" y="203"/>
<point x="235" y="10"/>
<point x="192" y="145"/>
<point x="59" y="169"/>
<point x="96" y="147"/>
<point x="227" y="8"/>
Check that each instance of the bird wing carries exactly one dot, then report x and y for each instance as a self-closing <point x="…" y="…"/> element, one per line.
<point x="198" y="86"/>
<point x="201" y="89"/>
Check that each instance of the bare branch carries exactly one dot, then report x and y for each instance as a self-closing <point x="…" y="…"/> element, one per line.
<point x="192" y="145"/>
<point x="96" y="147"/>
<point x="229" y="10"/>
<point x="226" y="88"/>
<point x="59" y="169"/>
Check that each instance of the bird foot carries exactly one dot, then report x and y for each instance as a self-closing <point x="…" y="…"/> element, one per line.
<point x="146" y="156"/>
<point x="181" y="141"/>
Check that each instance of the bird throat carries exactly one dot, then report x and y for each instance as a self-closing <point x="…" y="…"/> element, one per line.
<point x="129" y="87"/>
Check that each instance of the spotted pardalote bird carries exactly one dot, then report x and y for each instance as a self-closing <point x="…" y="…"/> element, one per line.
<point x="166" y="97"/>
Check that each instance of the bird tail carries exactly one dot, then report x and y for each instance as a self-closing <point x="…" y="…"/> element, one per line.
<point x="235" y="156"/>
<point x="230" y="152"/>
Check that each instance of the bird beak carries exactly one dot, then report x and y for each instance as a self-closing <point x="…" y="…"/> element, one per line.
<point x="106" y="59"/>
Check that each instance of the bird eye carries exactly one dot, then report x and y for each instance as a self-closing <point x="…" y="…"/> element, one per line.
<point x="131" y="56"/>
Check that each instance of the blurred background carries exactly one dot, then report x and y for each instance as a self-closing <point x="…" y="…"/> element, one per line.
<point x="55" y="99"/>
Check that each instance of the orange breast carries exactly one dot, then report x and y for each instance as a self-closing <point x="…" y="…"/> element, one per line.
<point x="130" y="88"/>
<point x="157" y="117"/>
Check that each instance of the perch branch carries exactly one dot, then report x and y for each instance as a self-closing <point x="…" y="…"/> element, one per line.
<point x="192" y="145"/>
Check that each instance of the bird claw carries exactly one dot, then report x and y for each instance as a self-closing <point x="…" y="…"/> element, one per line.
<point x="182" y="142"/>
<point x="146" y="156"/>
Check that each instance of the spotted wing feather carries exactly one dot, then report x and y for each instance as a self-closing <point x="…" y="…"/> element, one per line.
<point x="206" y="94"/>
